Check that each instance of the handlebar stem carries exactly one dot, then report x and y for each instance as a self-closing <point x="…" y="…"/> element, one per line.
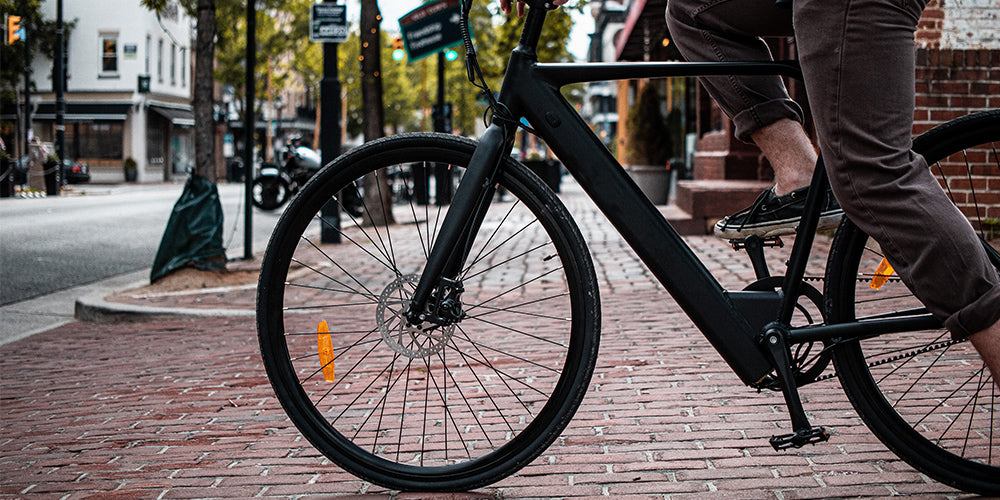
<point x="533" y="23"/>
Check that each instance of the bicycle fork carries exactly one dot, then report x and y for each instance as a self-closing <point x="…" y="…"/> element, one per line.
<point x="436" y="298"/>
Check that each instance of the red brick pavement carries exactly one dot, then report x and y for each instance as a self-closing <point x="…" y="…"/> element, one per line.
<point x="182" y="409"/>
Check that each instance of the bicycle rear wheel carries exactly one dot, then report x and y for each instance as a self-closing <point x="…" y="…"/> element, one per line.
<point x="443" y="407"/>
<point x="928" y="398"/>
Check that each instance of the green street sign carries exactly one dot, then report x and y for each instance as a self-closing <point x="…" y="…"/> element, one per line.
<point x="431" y="28"/>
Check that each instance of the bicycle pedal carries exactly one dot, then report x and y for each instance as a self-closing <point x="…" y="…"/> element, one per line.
<point x="799" y="439"/>
<point x="756" y="241"/>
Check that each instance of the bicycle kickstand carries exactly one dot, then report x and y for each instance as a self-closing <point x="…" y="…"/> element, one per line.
<point x="803" y="433"/>
<point x="755" y="245"/>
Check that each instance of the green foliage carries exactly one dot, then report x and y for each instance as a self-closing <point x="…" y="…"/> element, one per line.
<point x="649" y="139"/>
<point x="41" y="40"/>
<point x="408" y="88"/>
<point x="282" y="33"/>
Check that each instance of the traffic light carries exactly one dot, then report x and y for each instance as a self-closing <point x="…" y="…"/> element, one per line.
<point x="15" y="31"/>
<point x="398" y="52"/>
<point x="451" y="55"/>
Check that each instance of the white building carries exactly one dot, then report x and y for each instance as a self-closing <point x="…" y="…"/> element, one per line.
<point x="129" y="89"/>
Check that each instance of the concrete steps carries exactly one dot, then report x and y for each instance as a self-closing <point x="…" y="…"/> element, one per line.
<point x="698" y="204"/>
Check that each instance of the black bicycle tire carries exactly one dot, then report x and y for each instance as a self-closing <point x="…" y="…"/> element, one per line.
<point x="581" y="355"/>
<point x="853" y="369"/>
<point x="268" y="204"/>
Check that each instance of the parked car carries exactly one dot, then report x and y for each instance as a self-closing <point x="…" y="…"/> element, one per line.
<point x="75" y="172"/>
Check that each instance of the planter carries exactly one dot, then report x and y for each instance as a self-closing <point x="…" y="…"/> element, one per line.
<point x="550" y="171"/>
<point x="653" y="181"/>
<point x="6" y="178"/>
<point x="53" y="179"/>
<point x="131" y="169"/>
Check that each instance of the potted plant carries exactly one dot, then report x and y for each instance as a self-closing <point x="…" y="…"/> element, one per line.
<point x="53" y="175"/>
<point x="131" y="169"/>
<point x="649" y="146"/>
<point x="548" y="169"/>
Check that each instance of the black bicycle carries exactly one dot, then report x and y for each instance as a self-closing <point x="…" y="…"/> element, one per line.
<point x="447" y="349"/>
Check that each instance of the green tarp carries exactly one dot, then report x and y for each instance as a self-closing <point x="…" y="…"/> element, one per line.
<point x="193" y="236"/>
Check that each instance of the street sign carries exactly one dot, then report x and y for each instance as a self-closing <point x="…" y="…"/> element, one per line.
<point x="431" y="28"/>
<point x="328" y="23"/>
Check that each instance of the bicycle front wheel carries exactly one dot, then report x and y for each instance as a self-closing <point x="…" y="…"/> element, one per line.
<point x="449" y="406"/>
<point x="928" y="398"/>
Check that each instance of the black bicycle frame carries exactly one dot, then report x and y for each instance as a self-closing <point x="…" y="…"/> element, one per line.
<point x="733" y="321"/>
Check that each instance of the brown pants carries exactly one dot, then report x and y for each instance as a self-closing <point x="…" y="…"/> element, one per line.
<point x="857" y="58"/>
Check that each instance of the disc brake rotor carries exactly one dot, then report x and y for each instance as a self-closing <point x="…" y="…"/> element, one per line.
<point x="413" y="341"/>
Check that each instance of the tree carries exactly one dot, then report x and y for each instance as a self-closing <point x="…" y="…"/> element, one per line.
<point x="41" y="40"/>
<point x="649" y="138"/>
<point x="496" y="35"/>
<point x="282" y="34"/>
<point x="377" y="192"/>
<point x="204" y="123"/>
<point x="193" y="233"/>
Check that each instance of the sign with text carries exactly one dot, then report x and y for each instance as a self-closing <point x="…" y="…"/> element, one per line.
<point x="431" y="28"/>
<point x="328" y="23"/>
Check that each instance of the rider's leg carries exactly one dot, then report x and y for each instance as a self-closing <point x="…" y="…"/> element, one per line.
<point x="987" y="342"/>
<point x="790" y="151"/>
<point x="858" y="61"/>
<point x="762" y="112"/>
<point x="729" y="30"/>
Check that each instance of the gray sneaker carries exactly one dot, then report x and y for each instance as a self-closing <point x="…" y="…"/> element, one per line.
<point x="773" y="215"/>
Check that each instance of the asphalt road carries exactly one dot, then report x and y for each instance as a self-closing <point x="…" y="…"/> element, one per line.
<point x="56" y="243"/>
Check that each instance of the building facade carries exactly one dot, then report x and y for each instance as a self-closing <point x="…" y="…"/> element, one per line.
<point x="128" y="91"/>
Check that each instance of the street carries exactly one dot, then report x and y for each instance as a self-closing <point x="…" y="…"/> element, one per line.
<point x="55" y="243"/>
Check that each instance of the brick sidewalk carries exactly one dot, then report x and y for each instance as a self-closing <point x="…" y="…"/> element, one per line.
<point x="182" y="409"/>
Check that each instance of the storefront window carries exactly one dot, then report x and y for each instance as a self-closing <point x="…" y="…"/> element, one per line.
<point x="99" y="140"/>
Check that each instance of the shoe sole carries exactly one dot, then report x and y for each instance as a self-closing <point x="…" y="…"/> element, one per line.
<point x="775" y="228"/>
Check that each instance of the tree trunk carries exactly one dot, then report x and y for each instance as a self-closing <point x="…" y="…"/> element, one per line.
<point x="204" y="124"/>
<point x="377" y="191"/>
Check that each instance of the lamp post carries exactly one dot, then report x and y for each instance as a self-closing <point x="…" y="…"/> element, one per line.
<point x="248" y="129"/>
<point x="330" y="134"/>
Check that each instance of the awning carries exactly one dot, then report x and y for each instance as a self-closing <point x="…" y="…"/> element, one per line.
<point x="177" y="116"/>
<point x="84" y="111"/>
<point x="645" y="29"/>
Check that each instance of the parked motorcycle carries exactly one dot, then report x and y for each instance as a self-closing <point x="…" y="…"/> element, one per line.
<point x="275" y="185"/>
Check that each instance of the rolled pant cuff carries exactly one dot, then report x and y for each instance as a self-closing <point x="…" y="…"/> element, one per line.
<point x="975" y="317"/>
<point x="761" y="115"/>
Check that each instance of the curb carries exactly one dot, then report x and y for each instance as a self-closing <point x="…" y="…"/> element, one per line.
<point x="93" y="308"/>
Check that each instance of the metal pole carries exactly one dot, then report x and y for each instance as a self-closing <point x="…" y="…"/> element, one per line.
<point x="27" y="92"/>
<point x="441" y="173"/>
<point x="329" y="137"/>
<point x="249" y="121"/>
<point x="59" y="83"/>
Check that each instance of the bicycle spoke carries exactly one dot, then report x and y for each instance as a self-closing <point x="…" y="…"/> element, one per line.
<point x="503" y="376"/>
<point x="358" y="225"/>
<point x="514" y="309"/>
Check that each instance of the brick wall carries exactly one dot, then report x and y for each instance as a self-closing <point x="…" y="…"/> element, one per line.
<point x="965" y="24"/>
<point x="955" y="82"/>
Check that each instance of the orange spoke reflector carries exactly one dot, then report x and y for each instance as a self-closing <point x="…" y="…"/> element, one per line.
<point x="882" y="274"/>
<point x="325" y="343"/>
